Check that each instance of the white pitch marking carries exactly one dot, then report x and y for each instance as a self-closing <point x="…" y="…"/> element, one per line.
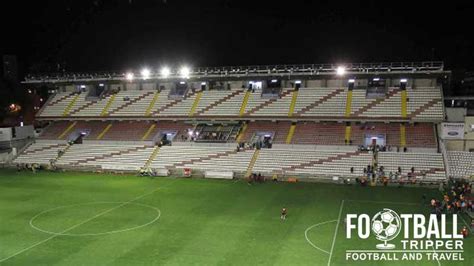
<point x="335" y="232"/>
<point x="311" y="227"/>
<point x="75" y="226"/>
<point x="96" y="234"/>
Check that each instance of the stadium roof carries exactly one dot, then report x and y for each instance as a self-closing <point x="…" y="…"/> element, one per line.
<point x="239" y="72"/>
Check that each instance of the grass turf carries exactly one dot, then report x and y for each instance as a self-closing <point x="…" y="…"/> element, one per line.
<point x="202" y="222"/>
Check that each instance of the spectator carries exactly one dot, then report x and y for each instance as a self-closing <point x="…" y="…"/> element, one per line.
<point x="464" y="232"/>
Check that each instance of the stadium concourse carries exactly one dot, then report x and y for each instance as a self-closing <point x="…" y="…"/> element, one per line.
<point x="308" y="122"/>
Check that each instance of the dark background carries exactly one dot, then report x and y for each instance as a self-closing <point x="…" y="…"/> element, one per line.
<point x="88" y="35"/>
<point x="119" y="35"/>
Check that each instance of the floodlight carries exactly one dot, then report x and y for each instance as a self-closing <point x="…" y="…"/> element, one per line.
<point x="165" y="72"/>
<point x="340" y="71"/>
<point x="145" y="73"/>
<point x="274" y="81"/>
<point x="351" y="80"/>
<point x="203" y="83"/>
<point x="376" y="79"/>
<point x="129" y="76"/>
<point x="184" y="71"/>
<point x="298" y="82"/>
<point x="83" y="86"/>
<point x="101" y="85"/>
<point x="403" y="80"/>
<point x="182" y="82"/>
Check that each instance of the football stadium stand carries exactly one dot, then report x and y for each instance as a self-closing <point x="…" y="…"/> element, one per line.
<point x="461" y="163"/>
<point x="237" y="121"/>
<point x="423" y="104"/>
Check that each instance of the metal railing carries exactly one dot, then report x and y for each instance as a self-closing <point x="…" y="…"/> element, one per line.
<point x="238" y="71"/>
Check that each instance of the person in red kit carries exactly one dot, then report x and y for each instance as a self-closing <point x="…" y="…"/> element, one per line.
<point x="283" y="214"/>
<point x="464" y="232"/>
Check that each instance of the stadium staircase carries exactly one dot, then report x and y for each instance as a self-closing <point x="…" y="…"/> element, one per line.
<point x="67" y="110"/>
<point x="104" y="131"/>
<point x="347" y="133"/>
<point x="152" y="157"/>
<point x="139" y="98"/>
<point x="348" y="103"/>
<point x="291" y="132"/>
<point x="320" y="101"/>
<point x="148" y="111"/>
<point x="220" y="101"/>
<point x="243" y="106"/>
<point x="294" y="97"/>
<point x="376" y="102"/>
<point x="267" y="103"/>
<point x="242" y="132"/>
<point x="403" y="96"/>
<point x="195" y="104"/>
<point x="62" y="153"/>
<point x="148" y="132"/>
<point x="173" y="103"/>
<point x="67" y="130"/>
<point x="403" y="135"/>
<point x="110" y="101"/>
<point x="252" y="163"/>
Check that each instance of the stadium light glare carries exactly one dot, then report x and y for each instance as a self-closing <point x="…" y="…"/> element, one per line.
<point x="165" y="72"/>
<point x="184" y="72"/>
<point x="129" y="76"/>
<point x="340" y="71"/>
<point x="145" y="73"/>
<point x="403" y="80"/>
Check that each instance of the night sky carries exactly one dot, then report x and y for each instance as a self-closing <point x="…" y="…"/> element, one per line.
<point x="91" y="35"/>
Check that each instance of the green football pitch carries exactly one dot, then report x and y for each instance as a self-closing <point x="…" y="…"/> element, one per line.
<point x="100" y="219"/>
